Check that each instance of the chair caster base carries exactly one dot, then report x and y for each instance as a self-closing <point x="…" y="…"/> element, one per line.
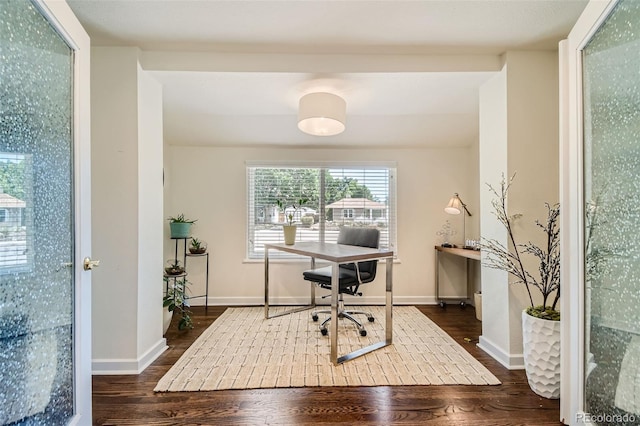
<point x="342" y="314"/>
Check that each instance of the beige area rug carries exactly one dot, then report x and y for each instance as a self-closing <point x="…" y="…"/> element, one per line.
<point x="243" y="350"/>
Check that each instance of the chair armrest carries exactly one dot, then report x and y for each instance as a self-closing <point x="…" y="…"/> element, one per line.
<point x="358" y="273"/>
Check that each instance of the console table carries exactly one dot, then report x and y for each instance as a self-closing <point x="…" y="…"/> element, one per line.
<point x="473" y="255"/>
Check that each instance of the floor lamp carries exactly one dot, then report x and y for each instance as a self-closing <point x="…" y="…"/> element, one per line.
<point x="456" y="206"/>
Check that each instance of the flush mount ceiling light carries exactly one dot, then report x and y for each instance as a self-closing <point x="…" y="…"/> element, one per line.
<point x="322" y="114"/>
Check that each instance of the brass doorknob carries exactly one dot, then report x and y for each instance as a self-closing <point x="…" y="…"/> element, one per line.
<point x="90" y="264"/>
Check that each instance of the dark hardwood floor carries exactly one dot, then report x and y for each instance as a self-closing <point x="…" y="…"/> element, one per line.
<point x="130" y="400"/>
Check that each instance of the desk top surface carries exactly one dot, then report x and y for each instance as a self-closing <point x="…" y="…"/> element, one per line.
<point x="339" y="253"/>
<point x="469" y="254"/>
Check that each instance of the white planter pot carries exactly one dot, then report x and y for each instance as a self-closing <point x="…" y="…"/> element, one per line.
<point x="289" y="234"/>
<point x="541" y="351"/>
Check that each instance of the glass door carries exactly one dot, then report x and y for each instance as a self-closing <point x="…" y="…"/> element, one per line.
<point x="611" y="91"/>
<point x="39" y="303"/>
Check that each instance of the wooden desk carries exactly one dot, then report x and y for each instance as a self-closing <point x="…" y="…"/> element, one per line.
<point x="467" y="254"/>
<point x="337" y="254"/>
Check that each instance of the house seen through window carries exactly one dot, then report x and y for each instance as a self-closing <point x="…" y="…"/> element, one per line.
<point x="15" y="217"/>
<point x="335" y="197"/>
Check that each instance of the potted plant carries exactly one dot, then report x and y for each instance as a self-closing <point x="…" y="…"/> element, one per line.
<point x="176" y="299"/>
<point x="180" y="226"/>
<point x="289" y="227"/>
<point x="197" y="246"/>
<point x="174" y="267"/>
<point x="540" y="323"/>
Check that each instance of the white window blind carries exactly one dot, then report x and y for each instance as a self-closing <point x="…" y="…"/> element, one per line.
<point x="362" y="196"/>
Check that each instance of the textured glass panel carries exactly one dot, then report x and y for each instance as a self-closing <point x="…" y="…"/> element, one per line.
<point x="36" y="282"/>
<point x="612" y="234"/>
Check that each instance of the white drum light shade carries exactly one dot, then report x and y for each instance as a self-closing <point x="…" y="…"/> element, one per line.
<point x="322" y="114"/>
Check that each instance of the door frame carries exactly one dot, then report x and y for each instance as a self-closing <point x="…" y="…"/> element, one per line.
<point x="62" y="19"/>
<point x="572" y="392"/>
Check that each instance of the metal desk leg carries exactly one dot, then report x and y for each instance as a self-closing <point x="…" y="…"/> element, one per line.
<point x="388" y="319"/>
<point x="312" y="303"/>
<point x="335" y="284"/>
<point x="440" y="302"/>
<point x="313" y="285"/>
<point x="266" y="282"/>
<point x="469" y="286"/>
<point x="206" y="296"/>
<point x="389" y="302"/>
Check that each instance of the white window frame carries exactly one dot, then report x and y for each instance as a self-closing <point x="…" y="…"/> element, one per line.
<point x="390" y="215"/>
<point x="572" y="356"/>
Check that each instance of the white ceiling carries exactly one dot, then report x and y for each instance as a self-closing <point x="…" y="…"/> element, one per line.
<point x="409" y="70"/>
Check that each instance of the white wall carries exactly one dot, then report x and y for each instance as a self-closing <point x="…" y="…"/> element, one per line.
<point x="533" y="155"/>
<point x="150" y="211"/>
<point x="518" y="134"/>
<point x="493" y="164"/>
<point x="114" y="157"/>
<point x="209" y="184"/>
<point x="126" y="213"/>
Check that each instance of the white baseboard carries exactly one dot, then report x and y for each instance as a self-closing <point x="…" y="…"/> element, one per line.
<point x="130" y="365"/>
<point x="290" y="301"/>
<point x="510" y="361"/>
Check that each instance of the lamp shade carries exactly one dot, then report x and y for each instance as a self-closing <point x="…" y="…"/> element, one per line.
<point x="454" y="206"/>
<point x="322" y="114"/>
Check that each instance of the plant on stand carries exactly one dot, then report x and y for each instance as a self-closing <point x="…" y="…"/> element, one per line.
<point x="176" y="299"/>
<point x="197" y="246"/>
<point x="290" y="228"/>
<point x="174" y="267"/>
<point x="180" y="226"/>
<point x="540" y="323"/>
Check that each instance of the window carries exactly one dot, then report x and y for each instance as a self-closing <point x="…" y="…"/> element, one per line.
<point x="337" y="196"/>
<point x="347" y="213"/>
<point x="16" y="212"/>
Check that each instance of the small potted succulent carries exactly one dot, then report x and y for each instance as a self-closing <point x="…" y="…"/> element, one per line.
<point x="180" y="226"/>
<point x="173" y="268"/>
<point x="197" y="246"/>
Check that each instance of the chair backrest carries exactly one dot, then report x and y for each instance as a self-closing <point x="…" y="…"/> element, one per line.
<point x="362" y="237"/>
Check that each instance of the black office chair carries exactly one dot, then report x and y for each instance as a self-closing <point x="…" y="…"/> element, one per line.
<point x="351" y="275"/>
